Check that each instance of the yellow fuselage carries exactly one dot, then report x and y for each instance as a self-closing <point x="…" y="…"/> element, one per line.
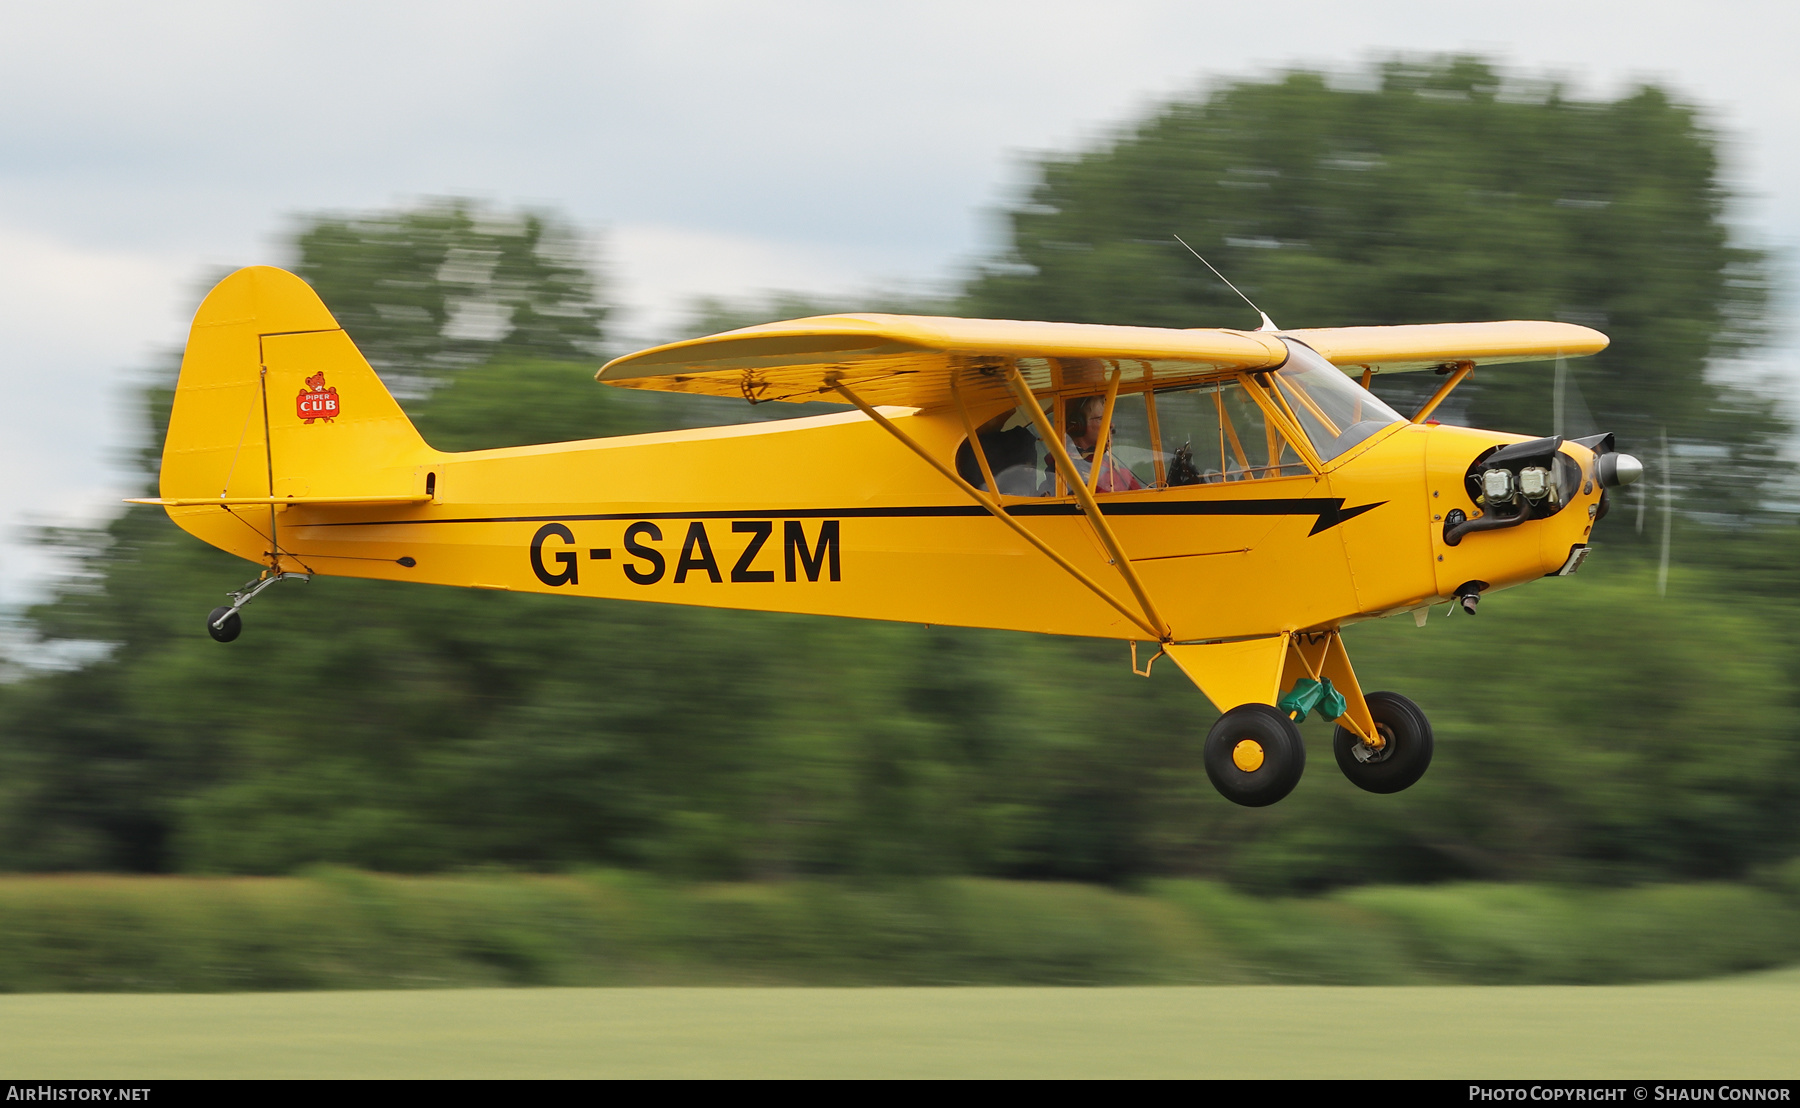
<point x="831" y="515"/>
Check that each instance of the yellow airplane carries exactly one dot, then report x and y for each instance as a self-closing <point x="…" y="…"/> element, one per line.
<point x="1233" y="497"/>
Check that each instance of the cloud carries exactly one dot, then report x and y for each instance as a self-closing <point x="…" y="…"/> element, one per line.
<point x="74" y="318"/>
<point x="658" y="270"/>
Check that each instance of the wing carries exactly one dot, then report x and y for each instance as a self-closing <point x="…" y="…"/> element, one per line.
<point x="1418" y="346"/>
<point x="913" y="360"/>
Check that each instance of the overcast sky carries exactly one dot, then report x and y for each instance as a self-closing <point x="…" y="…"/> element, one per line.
<point x="718" y="148"/>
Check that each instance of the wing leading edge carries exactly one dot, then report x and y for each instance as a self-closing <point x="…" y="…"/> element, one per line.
<point x="915" y="360"/>
<point x="1415" y="346"/>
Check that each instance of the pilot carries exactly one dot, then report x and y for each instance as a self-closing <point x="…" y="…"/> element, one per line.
<point x="1085" y="417"/>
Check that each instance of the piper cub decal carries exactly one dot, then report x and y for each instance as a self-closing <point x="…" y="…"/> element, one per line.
<point x="1230" y="499"/>
<point x="316" y="401"/>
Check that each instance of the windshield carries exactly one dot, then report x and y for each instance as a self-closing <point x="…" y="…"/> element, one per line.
<point x="1335" y="412"/>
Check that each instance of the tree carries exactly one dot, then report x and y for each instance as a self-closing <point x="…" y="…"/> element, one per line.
<point x="451" y="283"/>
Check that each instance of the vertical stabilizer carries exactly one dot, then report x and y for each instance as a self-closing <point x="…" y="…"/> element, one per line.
<point x="275" y="402"/>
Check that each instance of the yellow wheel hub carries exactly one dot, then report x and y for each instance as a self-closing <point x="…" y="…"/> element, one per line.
<point x="1247" y="755"/>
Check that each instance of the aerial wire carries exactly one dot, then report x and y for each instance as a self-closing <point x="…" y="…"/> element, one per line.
<point x="1267" y="323"/>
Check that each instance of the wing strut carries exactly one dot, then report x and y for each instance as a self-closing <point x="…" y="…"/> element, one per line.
<point x="1085" y="496"/>
<point x="1462" y="370"/>
<point x="993" y="506"/>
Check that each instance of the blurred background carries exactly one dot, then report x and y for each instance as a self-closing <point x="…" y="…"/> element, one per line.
<point x="495" y="198"/>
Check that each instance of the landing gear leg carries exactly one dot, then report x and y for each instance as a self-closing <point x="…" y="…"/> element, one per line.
<point x="225" y="624"/>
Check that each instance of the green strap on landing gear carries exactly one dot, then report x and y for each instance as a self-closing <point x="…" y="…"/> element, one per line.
<point x="1308" y="694"/>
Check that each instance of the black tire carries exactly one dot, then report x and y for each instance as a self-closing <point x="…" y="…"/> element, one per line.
<point x="1279" y="755"/>
<point x="1404" y="758"/>
<point x="227" y="631"/>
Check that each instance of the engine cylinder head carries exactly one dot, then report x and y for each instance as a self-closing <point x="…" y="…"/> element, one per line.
<point x="1535" y="482"/>
<point x="1499" y="486"/>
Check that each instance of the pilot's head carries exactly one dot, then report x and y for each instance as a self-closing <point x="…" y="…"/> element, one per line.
<point x="1083" y="421"/>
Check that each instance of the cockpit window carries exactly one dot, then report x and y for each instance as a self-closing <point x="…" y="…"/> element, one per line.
<point x="1335" y="412"/>
<point x="1015" y="455"/>
<point x="1216" y="432"/>
<point x="1192" y="435"/>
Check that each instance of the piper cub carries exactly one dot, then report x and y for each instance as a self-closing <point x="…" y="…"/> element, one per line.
<point x="1231" y="499"/>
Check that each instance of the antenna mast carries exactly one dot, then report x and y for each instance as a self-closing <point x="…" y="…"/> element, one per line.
<point x="1267" y="323"/>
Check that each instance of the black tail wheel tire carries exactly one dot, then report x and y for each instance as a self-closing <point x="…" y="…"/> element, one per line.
<point x="1405" y="751"/>
<point x="1254" y="755"/>
<point x="228" y="630"/>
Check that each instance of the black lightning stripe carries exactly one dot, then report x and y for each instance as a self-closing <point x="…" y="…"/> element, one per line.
<point x="1328" y="512"/>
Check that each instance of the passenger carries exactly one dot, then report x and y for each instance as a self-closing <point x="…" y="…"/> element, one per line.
<point x="1085" y="417"/>
<point x="1021" y="465"/>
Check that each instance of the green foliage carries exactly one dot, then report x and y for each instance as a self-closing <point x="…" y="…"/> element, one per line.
<point x="1522" y="934"/>
<point x="1433" y="191"/>
<point x="451" y="282"/>
<point x="511" y="401"/>
<point x="709" y="315"/>
<point x="341" y="929"/>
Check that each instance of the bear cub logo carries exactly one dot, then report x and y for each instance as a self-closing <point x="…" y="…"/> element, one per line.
<point x="316" y="401"/>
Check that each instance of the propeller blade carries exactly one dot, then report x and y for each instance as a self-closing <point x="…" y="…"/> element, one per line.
<point x="1662" y="569"/>
<point x="1569" y="410"/>
<point x="1557" y="427"/>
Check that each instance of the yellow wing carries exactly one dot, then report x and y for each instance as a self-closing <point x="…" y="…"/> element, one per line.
<point x="913" y="360"/>
<point x="1416" y="346"/>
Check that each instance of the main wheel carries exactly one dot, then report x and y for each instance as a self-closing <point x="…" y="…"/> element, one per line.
<point x="1254" y="755"/>
<point x="228" y="630"/>
<point x="1404" y="753"/>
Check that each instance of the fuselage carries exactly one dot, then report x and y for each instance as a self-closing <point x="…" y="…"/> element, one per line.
<point x="832" y="515"/>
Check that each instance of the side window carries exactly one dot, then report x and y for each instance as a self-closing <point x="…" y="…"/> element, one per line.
<point x="1015" y="455"/>
<point x="1130" y="446"/>
<point x="1123" y="451"/>
<point x="1023" y="467"/>
<point x="1203" y="434"/>
<point x="1216" y="432"/>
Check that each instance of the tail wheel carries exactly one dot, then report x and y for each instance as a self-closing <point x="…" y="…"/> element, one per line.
<point x="1401" y="757"/>
<point x="1254" y="755"/>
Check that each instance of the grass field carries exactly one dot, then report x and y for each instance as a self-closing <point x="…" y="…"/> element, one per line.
<point x="1744" y="1027"/>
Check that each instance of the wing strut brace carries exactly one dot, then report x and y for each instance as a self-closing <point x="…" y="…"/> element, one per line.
<point x="992" y="505"/>
<point x="1085" y="495"/>
<point x="1457" y="375"/>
